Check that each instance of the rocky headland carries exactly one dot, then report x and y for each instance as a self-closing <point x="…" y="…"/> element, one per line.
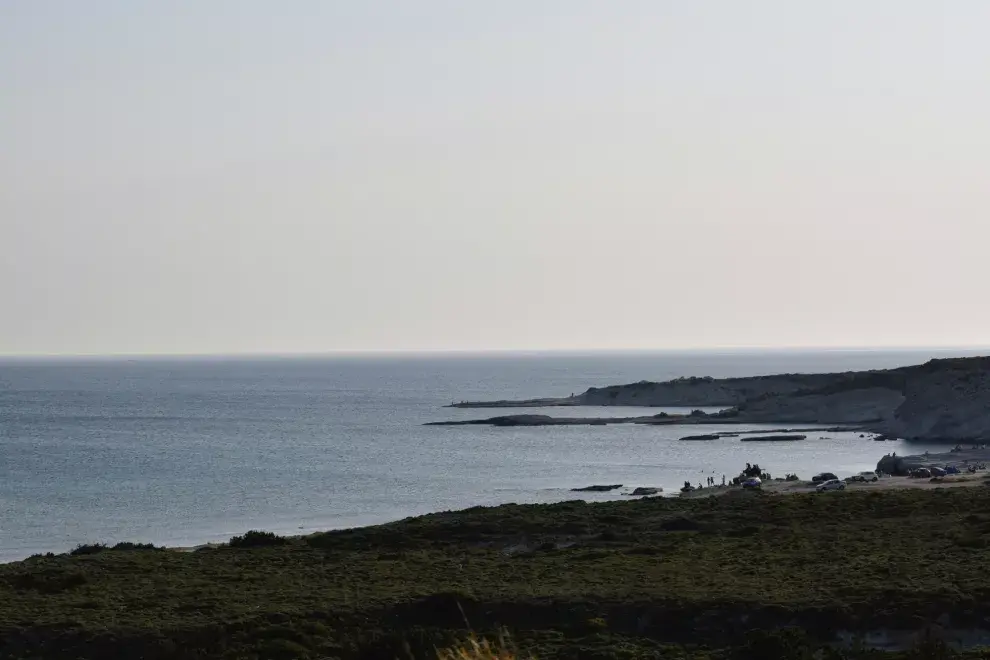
<point x="940" y="400"/>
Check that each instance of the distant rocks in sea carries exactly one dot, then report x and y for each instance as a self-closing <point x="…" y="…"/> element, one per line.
<point x="645" y="490"/>
<point x="596" y="488"/>
<point x="710" y="436"/>
<point x="505" y="420"/>
<point x="542" y="420"/>
<point x="640" y="491"/>
<point x="774" y="438"/>
<point x="521" y="420"/>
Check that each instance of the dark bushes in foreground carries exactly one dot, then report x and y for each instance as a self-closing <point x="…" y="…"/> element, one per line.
<point x="750" y="575"/>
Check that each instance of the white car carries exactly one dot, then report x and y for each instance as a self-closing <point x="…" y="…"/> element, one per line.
<point x="862" y="476"/>
<point x="831" y="484"/>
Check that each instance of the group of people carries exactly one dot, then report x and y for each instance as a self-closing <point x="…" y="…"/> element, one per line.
<point x="752" y="470"/>
<point x="708" y="480"/>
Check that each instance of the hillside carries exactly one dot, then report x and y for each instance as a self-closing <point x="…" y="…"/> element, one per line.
<point x="664" y="578"/>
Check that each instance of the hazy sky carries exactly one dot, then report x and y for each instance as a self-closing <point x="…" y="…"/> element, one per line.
<point x="239" y="175"/>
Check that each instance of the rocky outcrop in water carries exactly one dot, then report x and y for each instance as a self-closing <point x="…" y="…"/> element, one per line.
<point x="541" y="420"/>
<point x="644" y="490"/>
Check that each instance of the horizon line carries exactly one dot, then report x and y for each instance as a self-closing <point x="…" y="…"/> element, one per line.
<point x="490" y="351"/>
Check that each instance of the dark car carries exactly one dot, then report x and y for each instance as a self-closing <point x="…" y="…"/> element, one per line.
<point x="921" y="473"/>
<point x="824" y="476"/>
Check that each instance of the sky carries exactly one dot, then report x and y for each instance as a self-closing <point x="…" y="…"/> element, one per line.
<point x="243" y="176"/>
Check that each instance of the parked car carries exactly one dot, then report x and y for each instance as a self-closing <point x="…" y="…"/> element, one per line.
<point x="951" y="469"/>
<point x="863" y="476"/>
<point x="938" y="472"/>
<point x="921" y="473"/>
<point x="753" y="482"/>
<point x="831" y="484"/>
<point x="823" y="477"/>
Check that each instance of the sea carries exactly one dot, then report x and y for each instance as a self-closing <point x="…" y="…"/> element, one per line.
<point x="186" y="451"/>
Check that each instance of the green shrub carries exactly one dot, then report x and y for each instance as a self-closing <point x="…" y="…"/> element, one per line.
<point x="257" y="539"/>
<point x="37" y="556"/>
<point x="596" y="624"/>
<point x="127" y="545"/>
<point x="88" y="549"/>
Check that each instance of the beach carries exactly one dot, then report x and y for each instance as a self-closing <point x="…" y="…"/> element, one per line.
<point x="888" y="483"/>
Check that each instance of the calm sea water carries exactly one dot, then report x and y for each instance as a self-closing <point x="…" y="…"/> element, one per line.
<point x="185" y="451"/>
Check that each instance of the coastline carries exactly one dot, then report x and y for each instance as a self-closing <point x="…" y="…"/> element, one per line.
<point x="772" y="487"/>
<point x="776" y="487"/>
<point x="194" y="456"/>
<point x="884" y="484"/>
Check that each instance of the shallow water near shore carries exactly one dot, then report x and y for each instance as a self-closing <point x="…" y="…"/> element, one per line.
<point x="187" y="451"/>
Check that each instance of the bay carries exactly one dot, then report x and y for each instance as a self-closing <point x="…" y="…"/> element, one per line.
<point x="183" y="451"/>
